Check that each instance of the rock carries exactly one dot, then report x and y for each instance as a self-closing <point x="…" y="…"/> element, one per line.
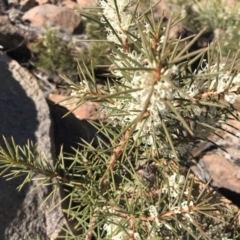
<point x="86" y="3"/>
<point x="88" y="110"/>
<point x="40" y="2"/>
<point x="69" y="132"/>
<point x="15" y="40"/>
<point x="69" y="4"/>
<point x="218" y="160"/>
<point x="3" y="5"/>
<point x="219" y="34"/>
<point x="25" y="116"/>
<point x="27" y="4"/>
<point x="48" y="15"/>
<point x="162" y="8"/>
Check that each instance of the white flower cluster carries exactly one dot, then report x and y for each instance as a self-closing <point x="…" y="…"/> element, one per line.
<point x="119" y="23"/>
<point x="140" y="83"/>
<point x="175" y="183"/>
<point x="225" y="82"/>
<point x="144" y="85"/>
<point x="184" y="206"/>
<point x="162" y="91"/>
<point x="115" y="232"/>
<point x="130" y="60"/>
<point x="154" y="227"/>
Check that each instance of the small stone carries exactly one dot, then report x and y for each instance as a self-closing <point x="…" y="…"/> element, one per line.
<point x="88" y="110"/>
<point x="48" y="15"/>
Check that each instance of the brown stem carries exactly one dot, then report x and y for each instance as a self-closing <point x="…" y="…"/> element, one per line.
<point x="113" y="161"/>
<point x="92" y="223"/>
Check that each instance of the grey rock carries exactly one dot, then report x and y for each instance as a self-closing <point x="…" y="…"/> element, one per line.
<point x="25" y="116"/>
<point x="3" y="5"/>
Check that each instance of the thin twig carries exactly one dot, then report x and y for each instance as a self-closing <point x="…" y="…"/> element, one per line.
<point x="113" y="161"/>
<point x="92" y="223"/>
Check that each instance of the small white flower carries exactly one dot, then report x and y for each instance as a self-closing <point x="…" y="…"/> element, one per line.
<point x="162" y="39"/>
<point x="153" y="211"/>
<point x="224" y="82"/>
<point x="184" y="206"/>
<point x="230" y="97"/>
<point x="114" y="231"/>
<point x="175" y="183"/>
<point x="174" y="69"/>
<point x="147" y="28"/>
<point x="119" y="24"/>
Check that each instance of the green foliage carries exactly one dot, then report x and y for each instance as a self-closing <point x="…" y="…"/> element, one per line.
<point x="99" y="49"/>
<point x="60" y="57"/>
<point x="53" y="55"/>
<point x="219" y="16"/>
<point x="110" y="195"/>
<point x="159" y="97"/>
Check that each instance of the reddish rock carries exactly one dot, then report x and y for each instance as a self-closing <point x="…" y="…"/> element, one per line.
<point x="163" y="8"/>
<point x="217" y="160"/>
<point x="86" y="3"/>
<point x="86" y="111"/>
<point x="48" y="15"/>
